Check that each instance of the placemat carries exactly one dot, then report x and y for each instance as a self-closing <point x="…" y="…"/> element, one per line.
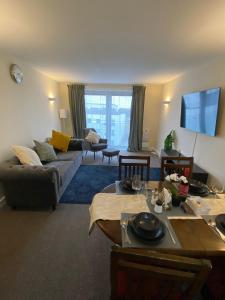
<point x="166" y="242"/>
<point x="211" y="219"/>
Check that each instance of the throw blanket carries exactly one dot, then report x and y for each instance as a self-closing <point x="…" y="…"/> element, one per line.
<point x="106" y="206"/>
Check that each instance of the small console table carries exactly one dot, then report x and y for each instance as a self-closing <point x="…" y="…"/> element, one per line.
<point x="197" y="173"/>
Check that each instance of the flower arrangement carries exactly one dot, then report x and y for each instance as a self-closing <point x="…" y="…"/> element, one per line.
<point x="178" y="186"/>
<point x="175" y="177"/>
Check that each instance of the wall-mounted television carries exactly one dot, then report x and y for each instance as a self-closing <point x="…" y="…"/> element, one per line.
<point x="199" y="111"/>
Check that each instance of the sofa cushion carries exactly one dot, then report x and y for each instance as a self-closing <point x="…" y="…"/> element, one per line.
<point x="45" y="151"/>
<point x="92" y="137"/>
<point x="75" y="144"/>
<point x="70" y="155"/>
<point x="27" y="156"/>
<point x="60" y="140"/>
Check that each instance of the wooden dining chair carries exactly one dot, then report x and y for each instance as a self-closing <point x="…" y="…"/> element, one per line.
<point x="176" y="164"/>
<point x="130" y="165"/>
<point x="143" y="274"/>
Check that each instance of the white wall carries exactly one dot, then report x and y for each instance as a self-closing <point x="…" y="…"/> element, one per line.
<point x="209" y="151"/>
<point x="153" y="96"/>
<point x="25" y="113"/>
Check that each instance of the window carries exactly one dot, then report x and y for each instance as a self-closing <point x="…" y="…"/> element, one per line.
<point x="109" y="113"/>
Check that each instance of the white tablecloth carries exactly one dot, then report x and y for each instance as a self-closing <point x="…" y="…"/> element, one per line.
<point x="106" y="206"/>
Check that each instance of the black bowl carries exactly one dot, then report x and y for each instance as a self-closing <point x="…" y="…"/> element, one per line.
<point x="197" y="188"/>
<point x="126" y="184"/>
<point x="220" y="222"/>
<point x="147" y="226"/>
<point x="144" y="239"/>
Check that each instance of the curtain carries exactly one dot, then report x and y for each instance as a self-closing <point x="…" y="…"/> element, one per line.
<point x="136" y="119"/>
<point x="77" y="108"/>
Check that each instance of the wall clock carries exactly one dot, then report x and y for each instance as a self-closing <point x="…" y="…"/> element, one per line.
<point x="16" y="73"/>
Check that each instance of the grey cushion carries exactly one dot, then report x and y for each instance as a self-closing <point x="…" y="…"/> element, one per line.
<point x="69" y="155"/>
<point x="45" y="151"/>
<point x="75" y="144"/>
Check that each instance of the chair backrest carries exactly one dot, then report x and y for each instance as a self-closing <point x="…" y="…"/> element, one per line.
<point x="176" y="164"/>
<point x="144" y="274"/>
<point x="134" y="164"/>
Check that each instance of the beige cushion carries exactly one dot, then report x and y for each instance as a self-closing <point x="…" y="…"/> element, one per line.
<point x="27" y="156"/>
<point x="92" y="137"/>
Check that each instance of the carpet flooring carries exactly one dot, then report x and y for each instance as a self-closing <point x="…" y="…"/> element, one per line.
<point x="88" y="159"/>
<point x="90" y="180"/>
<point x="46" y="255"/>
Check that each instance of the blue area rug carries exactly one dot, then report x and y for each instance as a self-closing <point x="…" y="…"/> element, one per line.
<point x="90" y="180"/>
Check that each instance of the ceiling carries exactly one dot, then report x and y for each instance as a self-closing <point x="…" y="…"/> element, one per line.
<point x="116" y="41"/>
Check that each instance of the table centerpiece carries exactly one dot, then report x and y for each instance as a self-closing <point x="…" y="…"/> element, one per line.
<point x="178" y="187"/>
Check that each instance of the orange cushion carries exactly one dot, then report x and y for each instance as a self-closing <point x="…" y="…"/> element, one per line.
<point x="60" y="141"/>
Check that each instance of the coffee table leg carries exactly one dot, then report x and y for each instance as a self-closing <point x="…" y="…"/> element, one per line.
<point x="109" y="160"/>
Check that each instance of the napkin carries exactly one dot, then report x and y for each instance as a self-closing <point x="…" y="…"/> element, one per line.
<point x="198" y="205"/>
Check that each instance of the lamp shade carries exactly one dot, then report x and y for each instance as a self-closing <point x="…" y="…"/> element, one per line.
<point x="63" y="113"/>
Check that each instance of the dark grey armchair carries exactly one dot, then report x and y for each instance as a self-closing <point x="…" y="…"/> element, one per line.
<point x="87" y="146"/>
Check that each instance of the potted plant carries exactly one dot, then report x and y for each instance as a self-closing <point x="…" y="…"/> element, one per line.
<point x="169" y="140"/>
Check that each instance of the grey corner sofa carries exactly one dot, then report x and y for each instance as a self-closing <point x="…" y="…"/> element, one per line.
<point x="38" y="186"/>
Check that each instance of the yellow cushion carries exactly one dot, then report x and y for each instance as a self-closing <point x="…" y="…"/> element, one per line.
<point x="60" y="140"/>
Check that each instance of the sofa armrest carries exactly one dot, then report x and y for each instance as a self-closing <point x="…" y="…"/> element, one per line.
<point x="30" y="186"/>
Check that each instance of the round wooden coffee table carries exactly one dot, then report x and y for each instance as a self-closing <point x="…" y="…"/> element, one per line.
<point x="110" y="153"/>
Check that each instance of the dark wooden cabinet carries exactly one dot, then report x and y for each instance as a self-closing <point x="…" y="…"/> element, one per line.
<point x="197" y="173"/>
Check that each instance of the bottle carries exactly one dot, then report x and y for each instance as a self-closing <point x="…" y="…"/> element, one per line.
<point x="158" y="207"/>
<point x="155" y="196"/>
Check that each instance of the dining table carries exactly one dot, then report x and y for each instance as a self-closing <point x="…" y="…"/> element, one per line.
<point x="196" y="237"/>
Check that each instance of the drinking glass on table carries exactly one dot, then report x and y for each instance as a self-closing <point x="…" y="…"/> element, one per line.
<point x="217" y="189"/>
<point x="136" y="183"/>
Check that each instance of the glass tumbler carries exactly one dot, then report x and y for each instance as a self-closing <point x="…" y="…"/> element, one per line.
<point x="136" y="183"/>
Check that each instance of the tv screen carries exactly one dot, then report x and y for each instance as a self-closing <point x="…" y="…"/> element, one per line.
<point x="199" y="111"/>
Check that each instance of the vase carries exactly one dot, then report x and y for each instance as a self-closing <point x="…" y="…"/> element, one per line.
<point x="176" y="200"/>
<point x="183" y="189"/>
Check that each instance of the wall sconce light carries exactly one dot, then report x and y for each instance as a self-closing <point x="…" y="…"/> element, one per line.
<point x="51" y="99"/>
<point x="166" y="102"/>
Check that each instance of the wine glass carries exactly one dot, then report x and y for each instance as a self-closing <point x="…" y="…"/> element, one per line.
<point x="217" y="189"/>
<point x="136" y="183"/>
